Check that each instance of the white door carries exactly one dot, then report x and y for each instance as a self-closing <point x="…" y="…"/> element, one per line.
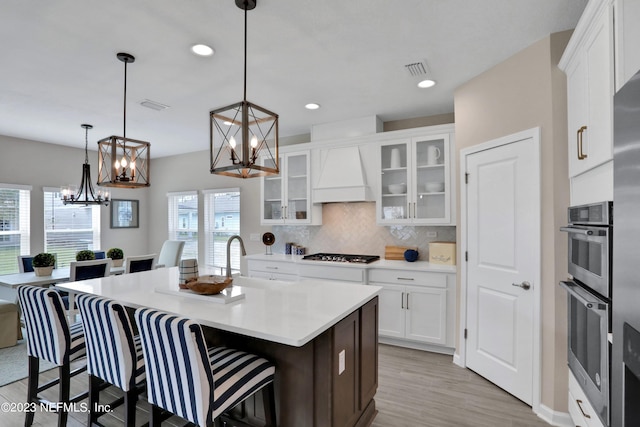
<point x="503" y="263"/>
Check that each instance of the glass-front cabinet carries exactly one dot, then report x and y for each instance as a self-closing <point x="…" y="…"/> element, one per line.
<point x="415" y="181"/>
<point x="286" y="197"/>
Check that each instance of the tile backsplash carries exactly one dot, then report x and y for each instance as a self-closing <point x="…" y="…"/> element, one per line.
<point x="351" y="228"/>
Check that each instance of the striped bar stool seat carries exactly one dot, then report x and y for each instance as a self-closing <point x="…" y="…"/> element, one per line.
<point x="114" y="354"/>
<point x="192" y="381"/>
<point x="51" y="338"/>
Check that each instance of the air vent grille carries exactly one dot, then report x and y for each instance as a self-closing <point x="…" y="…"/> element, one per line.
<point x="416" y="68"/>
<point x="153" y="105"/>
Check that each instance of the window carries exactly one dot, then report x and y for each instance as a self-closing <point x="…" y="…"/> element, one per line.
<point x="15" y="214"/>
<point x="69" y="228"/>
<point x="183" y="221"/>
<point x="221" y="221"/>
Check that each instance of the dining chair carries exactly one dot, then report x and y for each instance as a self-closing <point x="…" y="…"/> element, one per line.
<point x="114" y="354"/>
<point x="50" y="338"/>
<point x="211" y="380"/>
<point x="92" y="269"/>
<point x="25" y="263"/>
<point x="170" y="253"/>
<point x="134" y="264"/>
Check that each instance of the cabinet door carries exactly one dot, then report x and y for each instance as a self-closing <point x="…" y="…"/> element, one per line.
<point x="392" y="313"/>
<point x="272" y="189"/>
<point x="426" y="311"/>
<point x="430" y="181"/>
<point x="589" y="98"/>
<point x="297" y="188"/>
<point x="393" y="201"/>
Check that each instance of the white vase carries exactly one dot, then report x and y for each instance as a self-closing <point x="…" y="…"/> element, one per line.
<point x="117" y="262"/>
<point x="43" y="271"/>
<point x="395" y="158"/>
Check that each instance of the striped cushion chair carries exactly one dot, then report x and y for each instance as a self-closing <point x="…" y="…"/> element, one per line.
<point x="114" y="354"/>
<point x="49" y="337"/>
<point x="192" y="381"/>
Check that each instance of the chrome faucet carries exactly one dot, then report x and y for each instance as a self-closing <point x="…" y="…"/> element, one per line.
<point x="235" y="236"/>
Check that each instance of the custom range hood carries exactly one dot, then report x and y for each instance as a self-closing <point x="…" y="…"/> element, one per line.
<point x="342" y="177"/>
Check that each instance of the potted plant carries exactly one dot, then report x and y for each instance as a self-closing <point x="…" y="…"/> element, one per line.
<point x="116" y="255"/>
<point x="85" y="255"/>
<point x="43" y="264"/>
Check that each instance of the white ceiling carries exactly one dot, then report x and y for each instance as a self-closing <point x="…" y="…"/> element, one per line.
<point x="59" y="67"/>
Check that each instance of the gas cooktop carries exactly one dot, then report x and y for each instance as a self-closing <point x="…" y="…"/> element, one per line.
<point x="360" y="259"/>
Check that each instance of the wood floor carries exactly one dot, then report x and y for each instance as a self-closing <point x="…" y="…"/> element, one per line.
<point x="416" y="388"/>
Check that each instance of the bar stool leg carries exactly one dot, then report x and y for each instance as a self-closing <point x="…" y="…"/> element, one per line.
<point x="269" y="402"/>
<point x="155" y="418"/>
<point x="94" y="397"/>
<point x="130" y="399"/>
<point x="65" y="384"/>
<point x="32" y="387"/>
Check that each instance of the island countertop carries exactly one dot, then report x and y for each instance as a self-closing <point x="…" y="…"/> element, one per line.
<point x="290" y="313"/>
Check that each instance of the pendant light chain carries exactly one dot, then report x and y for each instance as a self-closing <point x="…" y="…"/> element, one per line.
<point x="86" y="144"/>
<point x="246" y="6"/>
<point x="124" y="119"/>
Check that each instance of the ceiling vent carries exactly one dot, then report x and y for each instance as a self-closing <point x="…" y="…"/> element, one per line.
<point x="416" y="68"/>
<point x="153" y="105"/>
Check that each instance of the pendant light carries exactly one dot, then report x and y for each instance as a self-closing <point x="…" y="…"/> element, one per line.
<point x="123" y="162"/>
<point x="244" y="136"/>
<point x="84" y="195"/>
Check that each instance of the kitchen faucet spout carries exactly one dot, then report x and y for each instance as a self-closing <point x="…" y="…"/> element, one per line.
<point x="235" y="236"/>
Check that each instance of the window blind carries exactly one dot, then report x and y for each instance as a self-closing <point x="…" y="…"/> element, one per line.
<point x="183" y="221"/>
<point x="69" y="228"/>
<point x="221" y="221"/>
<point x="15" y="214"/>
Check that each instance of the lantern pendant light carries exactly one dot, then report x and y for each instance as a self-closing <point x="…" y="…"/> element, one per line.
<point x="124" y="162"/>
<point x="85" y="195"/>
<point x="244" y="136"/>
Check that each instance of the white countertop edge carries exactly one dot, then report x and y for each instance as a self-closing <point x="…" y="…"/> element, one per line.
<point x="381" y="263"/>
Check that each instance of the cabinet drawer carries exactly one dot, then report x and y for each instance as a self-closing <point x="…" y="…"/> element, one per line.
<point x="408" y="277"/>
<point x="582" y="413"/>
<point x="272" y="267"/>
<point x="328" y="272"/>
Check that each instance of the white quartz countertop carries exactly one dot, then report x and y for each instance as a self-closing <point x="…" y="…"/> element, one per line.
<point x="381" y="263"/>
<point x="291" y="313"/>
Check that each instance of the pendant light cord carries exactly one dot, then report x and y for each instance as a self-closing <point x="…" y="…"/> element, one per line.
<point x="246" y="6"/>
<point x="124" y="120"/>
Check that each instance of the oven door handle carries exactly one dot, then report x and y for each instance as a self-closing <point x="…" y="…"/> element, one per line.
<point x="575" y="230"/>
<point x="583" y="296"/>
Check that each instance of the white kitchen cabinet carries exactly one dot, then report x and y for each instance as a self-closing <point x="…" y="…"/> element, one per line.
<point x="286" y="198"/>
<point x="415" y="306"/>
<point x="627" y="40"/>
<point x="272" y="270"/>
<point x="581" y="412"/>
<point x="415" y="181"/>
<point x="588" y="64"/>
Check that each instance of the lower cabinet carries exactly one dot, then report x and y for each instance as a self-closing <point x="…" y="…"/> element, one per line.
<point x="272" y="270"/>
<point x="420" y="312"/>
<point x="581" y="411"/>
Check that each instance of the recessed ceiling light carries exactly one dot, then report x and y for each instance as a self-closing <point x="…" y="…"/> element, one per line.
<point x="202" y="50"/>
<point x="426" y="83"/>
<point x="312" y="106"/>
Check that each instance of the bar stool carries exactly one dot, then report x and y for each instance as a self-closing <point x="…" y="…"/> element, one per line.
<point x="51" y="338"/>
<point x="192" y="381"/>
<point x="114" y="354"/>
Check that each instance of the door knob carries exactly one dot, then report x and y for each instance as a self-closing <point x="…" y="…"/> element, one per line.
<point x="524" y="285"/>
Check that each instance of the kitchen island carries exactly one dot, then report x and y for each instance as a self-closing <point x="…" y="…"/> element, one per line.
<point x="321" y="335"/>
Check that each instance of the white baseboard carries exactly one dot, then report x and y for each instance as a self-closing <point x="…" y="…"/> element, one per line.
<point x="555" y="418"/>
<point x="457" y="360"/>
<point x="416" y="345"/>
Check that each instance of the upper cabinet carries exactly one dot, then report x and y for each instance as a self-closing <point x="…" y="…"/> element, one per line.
<point x="286" y="198"/>
<point x="415" y="181"/>
<point x="588" y="64"/>
<point x="627" y="39"/>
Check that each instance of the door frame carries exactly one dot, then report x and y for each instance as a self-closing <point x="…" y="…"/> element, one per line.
<point x="534" y="135"/>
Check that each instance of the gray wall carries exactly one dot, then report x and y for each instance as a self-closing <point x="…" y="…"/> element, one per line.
<point x="47" y="165"/>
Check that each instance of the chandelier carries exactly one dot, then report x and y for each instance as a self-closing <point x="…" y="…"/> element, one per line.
<point x="244" y="136"/>
<point x="84" y="195"/>
<point x="123" y="162"/>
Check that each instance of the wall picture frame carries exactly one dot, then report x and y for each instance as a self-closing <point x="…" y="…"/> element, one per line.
<point x="125" y="213"/>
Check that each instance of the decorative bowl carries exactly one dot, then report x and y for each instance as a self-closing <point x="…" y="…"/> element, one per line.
<point x="208" y="285"/>
<point x="398" y="188"/>
<point x="434" y="187"/>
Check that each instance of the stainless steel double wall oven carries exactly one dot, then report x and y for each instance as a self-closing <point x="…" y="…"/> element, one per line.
<point x="590" y="233"/>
